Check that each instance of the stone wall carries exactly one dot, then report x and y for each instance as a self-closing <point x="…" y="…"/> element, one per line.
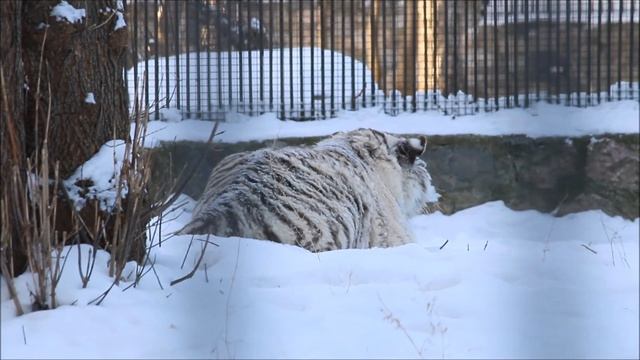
<point x="551" y="174"/>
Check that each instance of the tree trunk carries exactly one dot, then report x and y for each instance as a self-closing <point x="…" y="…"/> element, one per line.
<point x="11" y="113"/>
<point x="69" y="71"/>
<point x="11" y="90"/>
<point x="78" y="59"/>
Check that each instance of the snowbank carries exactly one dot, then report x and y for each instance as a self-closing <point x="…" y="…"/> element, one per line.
<point x="541" y="119"/>
<point x="226" y="85"/>
<point x="486" y="282"/>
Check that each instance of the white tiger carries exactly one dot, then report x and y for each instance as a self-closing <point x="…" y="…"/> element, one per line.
<point x="352" y="190"/>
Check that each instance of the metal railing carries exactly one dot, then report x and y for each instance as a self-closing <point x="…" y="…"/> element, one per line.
<point x="309" y="59"/>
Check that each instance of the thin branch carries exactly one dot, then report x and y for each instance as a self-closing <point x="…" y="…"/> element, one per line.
<point x="193" y="271"/>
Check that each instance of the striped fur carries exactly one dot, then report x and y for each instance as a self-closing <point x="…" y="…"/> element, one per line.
<point x="352" y="190"/>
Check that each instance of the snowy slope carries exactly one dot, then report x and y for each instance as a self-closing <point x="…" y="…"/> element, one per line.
<point x="506" y="284"/>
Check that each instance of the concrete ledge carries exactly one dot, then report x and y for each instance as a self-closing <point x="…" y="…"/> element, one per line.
<point x="552" y="174"/>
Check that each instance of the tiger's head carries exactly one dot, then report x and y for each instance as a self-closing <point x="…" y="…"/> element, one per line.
<point x="397" y="161"/>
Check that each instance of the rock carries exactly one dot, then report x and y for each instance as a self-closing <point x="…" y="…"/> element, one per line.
<point x="612" y="178"/>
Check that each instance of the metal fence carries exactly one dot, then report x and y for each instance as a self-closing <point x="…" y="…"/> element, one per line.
<point x="309" y="59"/>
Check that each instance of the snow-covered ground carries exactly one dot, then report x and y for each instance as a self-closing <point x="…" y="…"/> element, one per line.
<point x="487" y="282"/>
<point x="541" y="119"/>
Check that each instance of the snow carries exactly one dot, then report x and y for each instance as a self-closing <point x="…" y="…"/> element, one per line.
<point x="103" y="172"/>
<point x="90" y="99"/>
<point x="64" y="11"/>
<point x="170" y="114"/>
<point x="485" y="282"/>
<point x="541" y="119"/>
<point x="120" y="22"/>
<point x="255" y="24"/>
<point x="506" y="284"/>
<point x="234" y="87"/>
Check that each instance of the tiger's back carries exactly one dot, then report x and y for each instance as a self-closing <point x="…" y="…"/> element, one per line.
<point x="326" y="197"/>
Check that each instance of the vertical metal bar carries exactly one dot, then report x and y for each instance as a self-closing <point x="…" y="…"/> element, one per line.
<point x="538" y="35"/>
<point x="271" y="26"/>
<point x="219" y="60"/>
<point x="384" y="53"/>
<point x="229" y="71"/>
<point x="364" y="53"/>
<point x="198" y="90"/>
<point x="405" y="59"/>
<point x="506" y="54"/>
<point x="558" y="58"/>
<point x="126" y="71"/>
<point x="455" y="88"/>
<point x="551" y="60"/>
<point x="281" y="49"/>
<point x="188" y="56"/>
<point x="167" y="72"/>
<point x="414" y="52"/>
<point x="466" y="49"/>
<point x="156" y="59"/>
<point x="374" y="40"/>
<point x="435" y="51"/>
<point x="249" y="51"/>
<point x="177" y="55"/>
<point x="394" y="55"/>
<point x="579" y="63"/>
<point x="631" y="51"/>
<point x="486" y="58"/>
<point x="620" y="10"/>
<point x="312" y="70"/>
<point x="135" y="56"/>
<point x="609" y="2"/>
<point x="447" y="91"/>
<point x="589" y="53"/>
<point x="475" y="57"/>
<point x="352" y="34"/>
<point x="599" y="50"/>
<point x="261" y="50"/>
<point x="156" y="98"/>
<point x="323" y="75"/>
<point x="526" y="53"/>
<point x="568" y="56"/>
<point x="240" y="54"/>
<point x="301" y="60"/>
<point x="516" y="90"/>
<point x="209" y="70"/>
<point x="343" y="52"/>
<point x="496" y="59"/>
<point x="426" y="53"/>
<point x="290" y="46"/>
<point x="332" y="54"/>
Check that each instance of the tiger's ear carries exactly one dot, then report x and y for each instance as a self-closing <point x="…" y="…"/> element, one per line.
<point x="408" y="150"/>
